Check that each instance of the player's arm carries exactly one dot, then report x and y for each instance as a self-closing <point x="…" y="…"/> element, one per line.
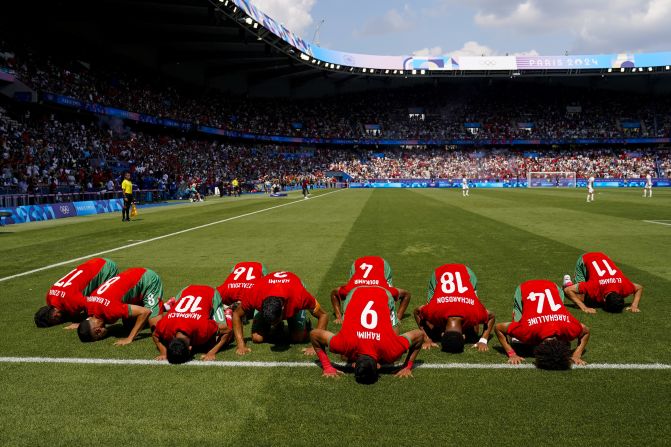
<point x="422" y="325"/>
<point x="162" y="350"/>
<point x="583" y="338"/>
<point x="416" y="338"/>
<point x="320" y="340"/>
<point x="637" y="298"/>
<point x="225" y="336"/>
<point x="484" y="338"/>
<point x="404" y="300"/>
<point x="321" y="316"/>
<point x="501" y="330"/>
<point x="335" y="303"/>
<point x="141" y="315"/>
<point x="241" y="349"/>
<point x="573" y="294"/>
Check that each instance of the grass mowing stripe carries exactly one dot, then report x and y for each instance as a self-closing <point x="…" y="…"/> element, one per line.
<point x="279" y="364"/>
<point x="186" y="230"/>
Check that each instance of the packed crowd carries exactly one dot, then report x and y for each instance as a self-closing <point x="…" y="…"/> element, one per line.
<point x="500" y="111"/>
<point x="504" y="164"/>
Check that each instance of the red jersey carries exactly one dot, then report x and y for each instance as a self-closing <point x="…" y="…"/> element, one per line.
<point x="367" y="329"/>
<point x="369" y="271"/>
<point x="603" y="277"/>
<point x="543" y="314"/>
<point x="192" y="315"/>
<point x="284" y="285"/>
<point x="67" y="294"/>
<point x="241" y="281"/>
<point x="454" y="296"/>
<point x="111" y="300"/>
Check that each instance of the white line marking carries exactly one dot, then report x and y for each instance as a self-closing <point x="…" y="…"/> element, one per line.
<point x="659" y="222"/>
<point x="253" y="364"/>
<point x="58" y="264"/>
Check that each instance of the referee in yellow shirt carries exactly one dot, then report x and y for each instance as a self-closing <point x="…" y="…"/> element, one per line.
<point x="127" y="188"/>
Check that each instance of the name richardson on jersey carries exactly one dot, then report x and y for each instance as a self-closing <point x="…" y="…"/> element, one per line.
<point x="98" y="299"/>
<point x="547" y="319"/>
<point x="368" y="335"/>
<point x="366" y="282"/>
<point x="455" y="299"/>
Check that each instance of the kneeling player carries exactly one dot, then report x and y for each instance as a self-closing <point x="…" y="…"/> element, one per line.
<point x="66" y="300"/>
<point x="279" y="296"/>
<point x="369" y="271"/>
<point x="542" y="321"/>
<point x="599" y="282"/>
<point x="134" y="293"/>
<point x="241" y="282"/>
<point x="367" y="337"/>
<point x="196" y="320"/>
<point x="453" y="310"/>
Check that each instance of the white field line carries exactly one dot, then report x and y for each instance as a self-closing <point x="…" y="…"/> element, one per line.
<point x="134" y="244"/>
<point x="659" y="222"/>
<point x="307" y="364"/>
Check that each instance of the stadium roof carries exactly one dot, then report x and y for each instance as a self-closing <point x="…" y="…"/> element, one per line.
<point x="219" y="44"/>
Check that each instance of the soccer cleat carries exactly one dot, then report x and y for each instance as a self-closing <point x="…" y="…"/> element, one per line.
<point x="567" y="281"/>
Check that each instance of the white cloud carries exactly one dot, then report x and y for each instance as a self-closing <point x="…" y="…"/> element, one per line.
<point x="392" y="21"/>
<point x="594" y="26"/>
<point x="470" y="48"/>
<point x="295" y="15"/>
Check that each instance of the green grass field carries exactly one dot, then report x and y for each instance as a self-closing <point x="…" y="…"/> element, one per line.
<point x="505" y="236"/>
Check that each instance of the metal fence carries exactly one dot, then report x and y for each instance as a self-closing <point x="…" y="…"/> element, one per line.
<point x="141" y="196"/>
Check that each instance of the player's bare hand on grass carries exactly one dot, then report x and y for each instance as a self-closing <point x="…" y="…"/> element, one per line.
<point x="578" y="362"/>
<point x="309" y="351"/>
<point x="208" y="357"/>
<point x="243" y="351"/>
<point x="589" y="310"/>
<point x="123" y="342"/>
<point x="71" y="327"/>
<point x="161" y="358"/>
<point x="338" y="320"/>
<point x="332" y="373"/>
<point x="404" y="373"/>
<point x="516" y="360"/>
<point x="632" y="309"/>
<point x="481" y="347"/>
<point x="428" y="345"/>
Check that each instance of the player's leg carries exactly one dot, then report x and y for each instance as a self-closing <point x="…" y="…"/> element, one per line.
<point x="299" y="327"/>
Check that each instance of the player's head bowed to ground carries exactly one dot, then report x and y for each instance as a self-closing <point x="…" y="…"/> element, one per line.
<point x="542" y="322"/>
<point x="369" y="271"/>
<point x="277" y="297"/>
<point x="453" y="311"/>
<point x="134" y="294"/>
<point x="367" y="337"/>
<point x="66" y="299"/>
<point x="601" y="283"/>
<point x="196" y="321"/>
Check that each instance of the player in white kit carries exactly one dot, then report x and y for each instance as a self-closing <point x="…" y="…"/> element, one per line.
<point x="464" y="187"/>
<point x="590" y="189"/>
<point x="647" y="190"/>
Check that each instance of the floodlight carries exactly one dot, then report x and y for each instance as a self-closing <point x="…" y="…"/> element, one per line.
<point x="423" y="72"/>
<point x="622" y="70"/>
<point x="414" y="72"/>
<point x="649" y="68"/>
<point x="610" y="70"/>
<point x="305" y="57"/>
<point x="249" y="21"/>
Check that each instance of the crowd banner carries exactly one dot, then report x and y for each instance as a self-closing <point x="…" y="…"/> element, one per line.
<point x="37" y="213"/>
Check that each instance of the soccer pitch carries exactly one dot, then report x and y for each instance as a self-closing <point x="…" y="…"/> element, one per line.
<point x="505" y="236"/>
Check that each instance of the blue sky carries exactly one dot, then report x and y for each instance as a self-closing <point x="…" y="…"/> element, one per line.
<point x="474" y="27"/>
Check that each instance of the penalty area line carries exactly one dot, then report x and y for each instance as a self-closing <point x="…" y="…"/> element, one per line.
<point x="659" y="222"/>
<point x="260" y="364"/>
<point x="186" y="230"/>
